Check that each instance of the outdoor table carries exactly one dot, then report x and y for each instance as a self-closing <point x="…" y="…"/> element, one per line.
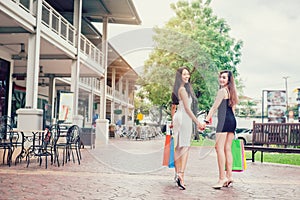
<point x="30" y="139"/>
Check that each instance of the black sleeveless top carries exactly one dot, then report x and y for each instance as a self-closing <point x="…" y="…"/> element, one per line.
<point x="226" y="118"/>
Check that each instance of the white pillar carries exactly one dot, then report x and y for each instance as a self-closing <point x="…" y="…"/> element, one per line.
<point x="32" y="118"/>
<point x="76" y="67"/>
<point x="74" y="81"/>
<point x="101" y="132"/>
<point x="121" y="85"/>
<point x="33" y="61"/>
<point x="104" y="64"/>
<point x="127" y="100"/>
<point x="113" y="87"/>
<point x="126" y="90"/>
<point x="91" y="109"/>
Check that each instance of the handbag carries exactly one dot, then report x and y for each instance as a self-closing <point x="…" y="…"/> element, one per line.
<point x="166" y="156"/>
<point x="238" y="155"/>
<point x="171" y="158"/>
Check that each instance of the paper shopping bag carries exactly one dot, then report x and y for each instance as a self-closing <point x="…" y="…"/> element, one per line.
<point x="166" y="156"/>
<point x="171" y="159"/>
<point x="237" y="149"/>
<point x="244" y="158"/>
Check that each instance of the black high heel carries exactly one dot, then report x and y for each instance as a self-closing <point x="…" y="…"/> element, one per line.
<point x="178" y="181"/>
<point x="229" y="182"/>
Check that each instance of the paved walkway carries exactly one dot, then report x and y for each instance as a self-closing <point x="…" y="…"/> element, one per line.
<point x="132" y="170"/>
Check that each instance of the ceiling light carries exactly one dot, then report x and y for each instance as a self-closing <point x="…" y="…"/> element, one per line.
<point x="22" y="53"/>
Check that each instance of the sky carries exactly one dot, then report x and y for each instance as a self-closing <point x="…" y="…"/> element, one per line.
<point x="268" y="28"/>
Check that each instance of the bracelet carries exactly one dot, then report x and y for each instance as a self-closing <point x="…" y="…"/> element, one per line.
<point x="207" y="122"/>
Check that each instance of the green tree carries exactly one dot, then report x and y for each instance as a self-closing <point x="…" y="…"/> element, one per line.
<point x="196" y="38"/>
<point x="246" y="108"/>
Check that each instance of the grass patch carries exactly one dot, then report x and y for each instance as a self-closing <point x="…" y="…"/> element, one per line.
<point x="203" y="142"/>
<point x="280" y="158"/>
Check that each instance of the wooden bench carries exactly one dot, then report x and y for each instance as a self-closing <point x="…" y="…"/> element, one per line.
<point x="274" y="137"/>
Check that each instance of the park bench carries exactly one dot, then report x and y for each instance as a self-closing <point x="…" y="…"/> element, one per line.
<point x="274" y="137"/>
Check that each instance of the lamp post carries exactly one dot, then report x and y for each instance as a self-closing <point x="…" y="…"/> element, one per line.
<point x="298" y="101"/>
<point x="287" y="97"/>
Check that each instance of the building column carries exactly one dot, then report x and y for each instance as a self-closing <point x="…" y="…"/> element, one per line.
<point x="102" y="135"/>
<point x="33" y="61"/>
<point x="127" y="100"/>
<point x="78" y="120"/>
<point x="91" y="109"/>
<point x="31" y="118"/>
<point x="112" y="117"/>
<point x="103" y="83"/>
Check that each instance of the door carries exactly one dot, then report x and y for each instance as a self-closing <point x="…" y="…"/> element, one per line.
<point x="4" y="86"/>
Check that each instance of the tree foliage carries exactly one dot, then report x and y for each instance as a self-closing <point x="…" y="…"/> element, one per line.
<point x="196" y="38"/>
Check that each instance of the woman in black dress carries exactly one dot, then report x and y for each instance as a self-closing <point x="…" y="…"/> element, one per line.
<point x="224" y="103"/>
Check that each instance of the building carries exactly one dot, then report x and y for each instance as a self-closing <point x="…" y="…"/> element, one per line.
<point x="50" y="49"/>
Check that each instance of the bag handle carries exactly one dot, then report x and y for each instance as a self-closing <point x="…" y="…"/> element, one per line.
<point x="235" y="137"/>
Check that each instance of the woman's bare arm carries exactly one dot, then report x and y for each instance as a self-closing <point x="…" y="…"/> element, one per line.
<point x="220" y="96"/>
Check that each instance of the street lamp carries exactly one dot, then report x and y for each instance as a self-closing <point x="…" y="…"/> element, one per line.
<point x="287" y="97"/>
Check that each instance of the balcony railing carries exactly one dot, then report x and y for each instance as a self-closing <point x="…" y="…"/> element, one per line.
<point x="65" y="30"/>
<point x="24" y="5"/>
<point x="90" y="50"/>
<point x="92" y="83"/>
<point x="61" y="27"/>
<point x="58" y="24"/>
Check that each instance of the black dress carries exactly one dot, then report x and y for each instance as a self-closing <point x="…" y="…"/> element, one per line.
<point x="226" y="118"/>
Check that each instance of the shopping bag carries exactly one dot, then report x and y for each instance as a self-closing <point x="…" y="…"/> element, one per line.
<point x="171" y="158"/>
<point x="166" y="156"/>
<point x="238" y="155"/>
<point x="244" y="158"/>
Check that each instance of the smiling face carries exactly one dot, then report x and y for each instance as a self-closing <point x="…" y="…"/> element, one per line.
<point x="223" y="79"/>
<point x="185" y="76"/>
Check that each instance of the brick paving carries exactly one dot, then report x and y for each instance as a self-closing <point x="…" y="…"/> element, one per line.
<point x="126" y="169"/>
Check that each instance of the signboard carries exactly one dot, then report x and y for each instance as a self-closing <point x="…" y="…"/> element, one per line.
<point x="117" y="112"/>
<point x="65" y="111"/>
<point x="276" y="102"/>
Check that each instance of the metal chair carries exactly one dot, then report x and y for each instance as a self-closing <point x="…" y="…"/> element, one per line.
<point x="6" y="138"/>
<point x="73" y="141"/>
<point x="55" y="130"/>
<point x="61" y="143"/>
<point x="43" y="146"/>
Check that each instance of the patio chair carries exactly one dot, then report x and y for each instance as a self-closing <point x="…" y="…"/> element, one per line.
<point x="73" y="140"/>
<point x="43" y="145"/>
<point x="6" y="137"/>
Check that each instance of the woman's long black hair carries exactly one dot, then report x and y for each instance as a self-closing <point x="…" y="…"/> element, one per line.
<point x="177" y="84"/>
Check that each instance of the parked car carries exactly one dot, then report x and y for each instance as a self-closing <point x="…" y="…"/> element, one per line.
<point x="245" y="134"/>
<point x="209" y="132"/>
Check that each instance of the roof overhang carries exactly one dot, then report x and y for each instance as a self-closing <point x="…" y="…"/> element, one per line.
<point x="117" y="11"/>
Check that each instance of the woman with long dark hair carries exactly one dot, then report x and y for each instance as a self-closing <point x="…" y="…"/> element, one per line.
<point x="225" y="103"/>
<point x="183" y="121"/>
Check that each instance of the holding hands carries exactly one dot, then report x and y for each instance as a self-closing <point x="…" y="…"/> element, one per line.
<point x="201" y="126"/>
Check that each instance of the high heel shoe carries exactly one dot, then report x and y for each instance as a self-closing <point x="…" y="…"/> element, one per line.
<point x="229" y="182"/>
<point x="220" y="184"/>
<point x="179" y="182"/>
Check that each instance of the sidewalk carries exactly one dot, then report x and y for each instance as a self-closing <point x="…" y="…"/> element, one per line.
<point x="127" y="169"/>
